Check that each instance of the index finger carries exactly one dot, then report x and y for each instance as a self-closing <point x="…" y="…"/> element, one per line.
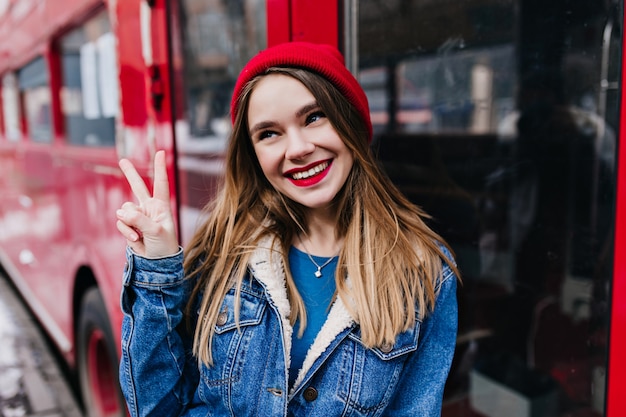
<point x="134" y="180"/>
<point x="161" y="187"/>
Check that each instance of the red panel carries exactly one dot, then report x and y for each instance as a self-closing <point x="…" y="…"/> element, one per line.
<point x="54" y="64"/>
<point x="616" y="401"/>
<point x="133" y="82"/>
<point x="159" y="72"/>
<point x="315" y="21"/>
<point x="24" y="24"/>
<point x="278" y="21"/>
<point x="2" y="128"/>
<point x="303" y="20"/>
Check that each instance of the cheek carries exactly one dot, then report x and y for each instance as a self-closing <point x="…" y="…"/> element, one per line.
<point x="348" y="165"/>
<point x="268" y="162"/>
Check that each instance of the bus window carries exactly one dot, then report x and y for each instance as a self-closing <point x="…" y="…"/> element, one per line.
<point x="35" y="89"/>
<point x="498" y="118"/>
<point x="216" y="39"/>
<point x="89" y="90"/>
<point x="11" y="107"/>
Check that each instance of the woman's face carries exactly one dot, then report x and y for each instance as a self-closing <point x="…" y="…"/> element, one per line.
<point x="298" y="149"/>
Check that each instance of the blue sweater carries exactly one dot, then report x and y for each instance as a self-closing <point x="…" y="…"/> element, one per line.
<point x="317" y="294"/>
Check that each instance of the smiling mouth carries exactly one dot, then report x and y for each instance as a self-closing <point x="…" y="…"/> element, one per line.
<point x="311" y="172"/>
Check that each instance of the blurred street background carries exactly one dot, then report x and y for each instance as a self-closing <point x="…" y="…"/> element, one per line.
<point x="32" y="381"/>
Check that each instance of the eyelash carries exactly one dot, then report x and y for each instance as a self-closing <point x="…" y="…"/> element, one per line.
<point x="320" y="114"/>
<point x="265" y="134"/>
<point x="309" y="119"/>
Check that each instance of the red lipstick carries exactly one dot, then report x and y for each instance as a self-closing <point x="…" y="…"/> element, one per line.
<point x="309" y="180"/>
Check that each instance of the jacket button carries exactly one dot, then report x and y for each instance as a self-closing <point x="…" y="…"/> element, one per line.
<point x="310" y="394"/>
<point x="222" y="318"/>
<point x="386" y="347"/>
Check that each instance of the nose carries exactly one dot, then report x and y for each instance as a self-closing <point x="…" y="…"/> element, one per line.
<point x="298" y="145"/>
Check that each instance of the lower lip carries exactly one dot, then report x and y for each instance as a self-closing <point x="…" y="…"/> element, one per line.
<point x="307" y="182"/>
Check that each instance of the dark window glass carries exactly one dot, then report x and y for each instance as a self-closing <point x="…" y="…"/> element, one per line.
<point x="499" y="119"/>
<point x="35" y="89"/>
<point x="89" y="91"/>
<point x="213" y="40"/>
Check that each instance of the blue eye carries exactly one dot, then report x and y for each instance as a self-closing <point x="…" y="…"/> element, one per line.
<point x="315" y="116"/>
<point x="265" y="134"/>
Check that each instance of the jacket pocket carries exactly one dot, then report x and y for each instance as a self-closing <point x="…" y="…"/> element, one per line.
<point x="368" y="378"/>
<point x="232" y="338"/>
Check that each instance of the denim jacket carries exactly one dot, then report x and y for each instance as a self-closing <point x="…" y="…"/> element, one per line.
<point x="340" y="377"/>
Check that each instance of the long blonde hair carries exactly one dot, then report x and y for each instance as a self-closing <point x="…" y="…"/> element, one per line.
<point x="392" y="258"/>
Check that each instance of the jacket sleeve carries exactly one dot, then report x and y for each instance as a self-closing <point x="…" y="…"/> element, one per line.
<point x="424" y="376"/>
<point x="158" y="374"/>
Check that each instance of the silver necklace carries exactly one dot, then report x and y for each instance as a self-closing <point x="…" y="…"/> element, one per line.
<point x="318" y="273"/>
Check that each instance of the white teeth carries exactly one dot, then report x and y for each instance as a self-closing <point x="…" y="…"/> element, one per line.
<point x="310" y="172"/>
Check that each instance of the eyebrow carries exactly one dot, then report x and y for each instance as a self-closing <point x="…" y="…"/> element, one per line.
<point x="261" y="126"/>
<point x="307" y="108"/>
<point x="269" y="123"/>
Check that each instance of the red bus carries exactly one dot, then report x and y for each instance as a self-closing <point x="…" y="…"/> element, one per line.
<point x="504" y="119"/>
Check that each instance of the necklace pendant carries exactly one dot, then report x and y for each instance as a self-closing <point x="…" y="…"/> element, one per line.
<point x="318" y="273"/>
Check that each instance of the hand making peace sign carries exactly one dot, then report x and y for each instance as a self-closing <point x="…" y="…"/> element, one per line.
<point x="148" y="227"/>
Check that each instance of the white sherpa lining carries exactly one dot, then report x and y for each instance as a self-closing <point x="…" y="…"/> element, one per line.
<point x="267" y="267"/>
<point x="338" y="320"/>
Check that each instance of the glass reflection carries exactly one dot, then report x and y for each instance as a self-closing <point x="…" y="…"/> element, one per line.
<point x="498" y="117"/>
<point x="213" y="39"/>
<point x="35" y="89"/>
<point x="89" y="90"/>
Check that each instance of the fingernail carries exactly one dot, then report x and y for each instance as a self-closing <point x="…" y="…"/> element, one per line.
<point x="120" y="213"/>
<point x="133" y="237"/>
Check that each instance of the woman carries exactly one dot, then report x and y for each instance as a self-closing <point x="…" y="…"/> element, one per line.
<point x="313" y="288"/>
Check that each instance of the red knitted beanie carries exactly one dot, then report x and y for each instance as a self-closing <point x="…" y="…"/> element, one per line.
<point x="322" y="59"/>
